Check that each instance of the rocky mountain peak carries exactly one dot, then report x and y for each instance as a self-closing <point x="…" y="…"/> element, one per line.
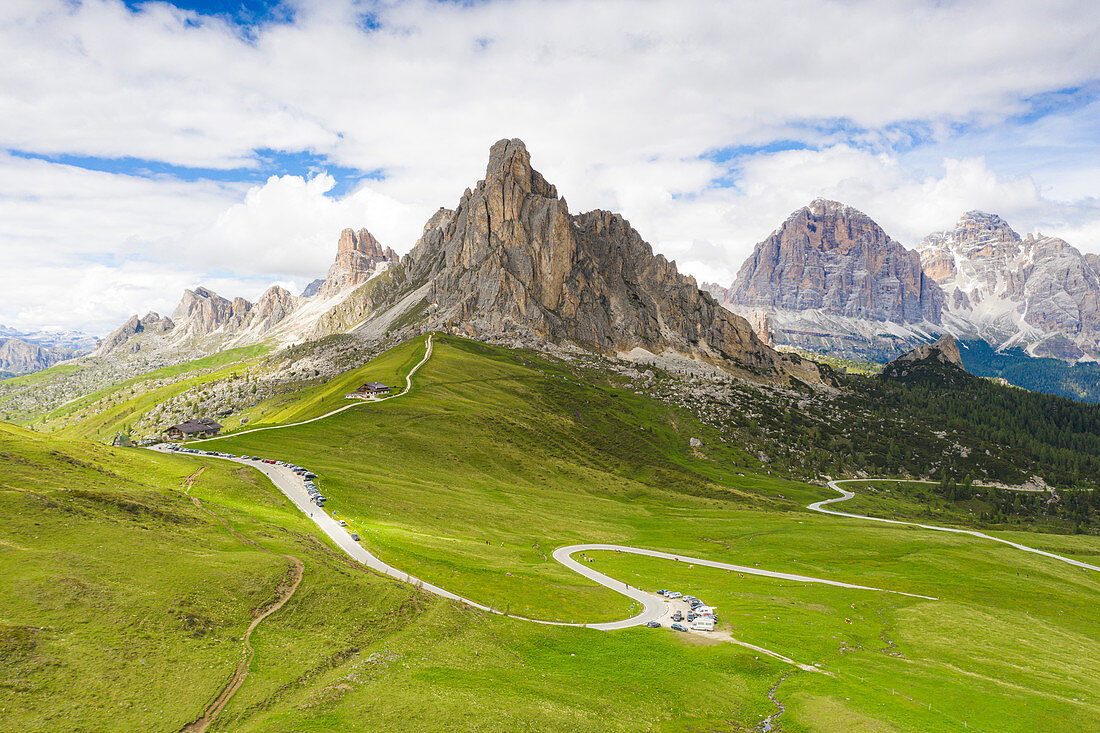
<point x="1037" y="291"/>
<point x="151" y="322"/>
<point x="511" y="262"/>
<point x="510" y="161"/>
<point x="977" y="235"/>
<point x="202" y="311"/>
<point x="312" y="288"/>
<point x="835" y="259"/>
<point x="359" y="256"/>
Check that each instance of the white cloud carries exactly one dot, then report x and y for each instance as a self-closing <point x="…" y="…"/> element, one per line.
<point x="616" y="100"/>
<point x="89" y="248"/>
<point x="288" y="226"/>
<point x="712" y="233"/>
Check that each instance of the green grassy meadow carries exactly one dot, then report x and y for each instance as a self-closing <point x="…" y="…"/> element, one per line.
<point x="495" y="458"/>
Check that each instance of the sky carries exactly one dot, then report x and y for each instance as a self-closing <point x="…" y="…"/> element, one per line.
<point x="148" y="147"/>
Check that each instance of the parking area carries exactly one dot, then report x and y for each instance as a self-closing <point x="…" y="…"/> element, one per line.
<point x="687" y="613"/>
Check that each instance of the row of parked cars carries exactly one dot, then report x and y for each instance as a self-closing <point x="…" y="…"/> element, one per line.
<point x="308" y="477"/>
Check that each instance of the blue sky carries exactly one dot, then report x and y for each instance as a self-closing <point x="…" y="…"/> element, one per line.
<point x="152" y="146"/>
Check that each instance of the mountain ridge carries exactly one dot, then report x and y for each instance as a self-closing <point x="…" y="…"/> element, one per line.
<point x="511" y="261"/>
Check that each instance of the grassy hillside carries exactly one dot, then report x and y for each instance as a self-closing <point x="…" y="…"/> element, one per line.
<point x="100" y="414"/>
<point x="497" y="457"/>
<point x="123" y="603"/>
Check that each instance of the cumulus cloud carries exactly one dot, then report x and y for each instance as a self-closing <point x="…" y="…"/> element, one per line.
<point x="667" y="110"/>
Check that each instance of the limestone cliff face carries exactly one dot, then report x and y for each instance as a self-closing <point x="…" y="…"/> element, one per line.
<point x="273" y="306"/>
<point x="512" y="259"/>
<point x="834" y="259"/>
<point x="22" y="357"/>
<point x="1093" y="262"/>
<point x="202" y="311"/>
<point x="359" y="256"/>
<point x="1032" y="291"/>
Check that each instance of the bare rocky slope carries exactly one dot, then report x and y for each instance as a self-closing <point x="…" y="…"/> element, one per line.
<point x="511" y="262"/>
<point x="22" y="357"/>
<point x="1036" y="292"/>
<point x="831" y="280"/>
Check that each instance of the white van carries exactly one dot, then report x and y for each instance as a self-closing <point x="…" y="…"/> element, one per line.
<point x="703" y="623"/>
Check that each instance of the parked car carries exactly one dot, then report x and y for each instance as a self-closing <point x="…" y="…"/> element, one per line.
<point x="674" y="594"/>
<point x="355" y="536"/>
<point x="653" y="625"/>
<point x="343" y="523"/>
<point x="677" y="616"/>
<point x="678" y="627"/>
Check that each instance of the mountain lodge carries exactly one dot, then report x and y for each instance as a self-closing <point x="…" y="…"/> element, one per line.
<point x="373" y="388"/>
<point x="199" y="427"/>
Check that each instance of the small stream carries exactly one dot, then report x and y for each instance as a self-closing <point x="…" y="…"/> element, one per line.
<point x="769" y="722"/>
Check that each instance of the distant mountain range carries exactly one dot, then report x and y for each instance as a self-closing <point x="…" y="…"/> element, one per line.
<point x="509" y="263"/>
<point x="205" y="322"/>
<point x="24" y="352"/>
<point x="830" y="280"/>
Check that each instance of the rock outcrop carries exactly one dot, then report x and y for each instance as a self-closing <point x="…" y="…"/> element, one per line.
<point x="273" y="306"/>
<point x="202" y="311"/>
<point x="939" y="361"/>
<point x="1035" y="291"/>
<point x="313" y="288"/>
<point x="359" y="257"/>
<point x="151" y="322"/>
<point x="719" y="293"/>
<point x="512" y="260"/>
<point x="944" y="350"/>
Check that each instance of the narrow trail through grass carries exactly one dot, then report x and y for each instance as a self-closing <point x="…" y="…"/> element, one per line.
<point x="283" y="593"/>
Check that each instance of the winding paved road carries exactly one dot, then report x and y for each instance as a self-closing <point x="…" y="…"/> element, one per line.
<point x="654" y="607"/>
<point x="845" y="495"/>
<point x="408" y="386"/>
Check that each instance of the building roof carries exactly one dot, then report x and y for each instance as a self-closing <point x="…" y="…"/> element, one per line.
<point x="196" y="425"/>
<point x="375" y="385"/>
